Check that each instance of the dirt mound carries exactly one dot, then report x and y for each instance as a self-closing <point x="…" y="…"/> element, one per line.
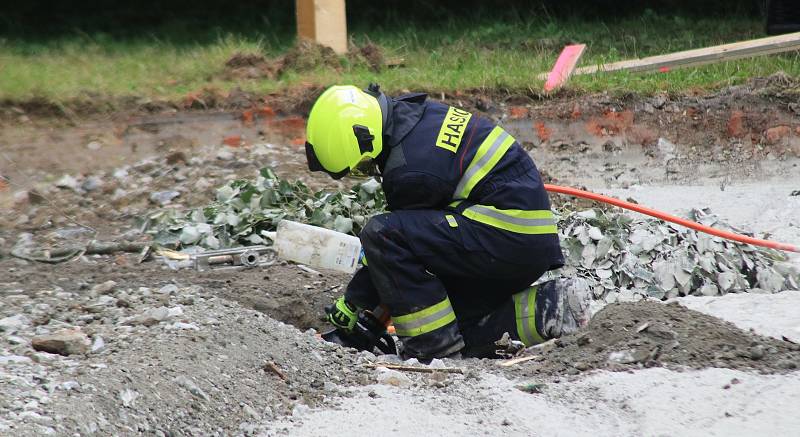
<point x="307" y="55"/>
<point x="649" y="334"/>
<point x="165" y="359"/>
<point x="250" y="66"/>
<point x="369" y="54"/>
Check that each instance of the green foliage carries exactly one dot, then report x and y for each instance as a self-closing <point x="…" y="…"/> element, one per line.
<point x="244" y="211"/>
<point x="613" y="250"/>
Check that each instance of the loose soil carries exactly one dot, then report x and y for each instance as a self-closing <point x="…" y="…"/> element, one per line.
<point x="625" y="336"/>
<point x="116" y="162"/>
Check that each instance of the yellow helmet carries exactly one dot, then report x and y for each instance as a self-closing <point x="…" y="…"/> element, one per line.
<point x="344" y="127"/>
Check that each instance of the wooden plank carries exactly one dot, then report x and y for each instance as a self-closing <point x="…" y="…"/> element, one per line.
<point x="323" y="21"/>
<point x="564" y="66"/>
<point x="695" y="57"/>
<point x="306" y="19"/>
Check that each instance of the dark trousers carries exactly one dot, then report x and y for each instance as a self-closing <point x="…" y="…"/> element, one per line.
<point x="416" y="259"/>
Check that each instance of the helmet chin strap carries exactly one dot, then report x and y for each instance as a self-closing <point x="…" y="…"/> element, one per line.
<point x="386" y="108"/>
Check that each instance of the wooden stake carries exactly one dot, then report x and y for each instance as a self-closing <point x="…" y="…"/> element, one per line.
<point x="564" y="66"/>
<point x="709" y="55"/>
<point x="323" y="21"/>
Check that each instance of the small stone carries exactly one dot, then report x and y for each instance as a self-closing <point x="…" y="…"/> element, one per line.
<point x="105" y="287"/>
<point x="180" y="326"/>
<point x="150" y="317"/>
<point x="250" y="411"/>
<point x="392" y="377"/>
<point x="659" y="101"/>
<point x="189" y="385"/>
<point x="437" y="364"/>
<point x="622" y="357"/>
<point x="775" y="134"/>
<point x="14" y="359"/>
<point x="164" y="197"/>
<point x="66" y="342"/>
<point x="300" y="410"/>
<point x="168" y="289"/>
<point x="665" y="147"/>
<point x="13" y="323"/>
<point x="92" y="183"/>
<point x="611" y="146"/>
<point x="174" y="312"/>
<point x="94" y="145"/>
<point x="67" y="181"/>
<point x="32" y="416"/>
<point x="98" y="345"/>
<point x="128" y="397"/>
<point x="225" y="155"/>
<point x="15" y="340"/>
<point x="756" y="352"/>
<point x="582" y="366"/>
<point x="70" y="385"/>
<point x="104" y="301"/>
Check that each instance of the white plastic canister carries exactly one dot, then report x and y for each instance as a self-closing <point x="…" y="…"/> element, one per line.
<point x="317" y="247"/>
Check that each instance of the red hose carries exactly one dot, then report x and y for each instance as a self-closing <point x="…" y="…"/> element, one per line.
<point x="671" y="218"/>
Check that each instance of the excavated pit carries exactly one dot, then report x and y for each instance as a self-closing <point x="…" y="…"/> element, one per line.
<point x="597" y="142"/>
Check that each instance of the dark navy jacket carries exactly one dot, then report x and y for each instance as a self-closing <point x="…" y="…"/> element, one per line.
<point x="428" y="147"/>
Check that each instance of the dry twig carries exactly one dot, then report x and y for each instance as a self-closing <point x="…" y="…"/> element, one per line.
<point x="64" y="254"/>
<point x="272" y="367"/>
<point x="518" y="360"/>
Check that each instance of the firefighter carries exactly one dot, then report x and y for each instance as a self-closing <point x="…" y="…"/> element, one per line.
<point x="469" y="227"/>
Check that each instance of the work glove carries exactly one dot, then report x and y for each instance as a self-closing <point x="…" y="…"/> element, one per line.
<point x="357" y="329"/>
<point x="342" y="314"/>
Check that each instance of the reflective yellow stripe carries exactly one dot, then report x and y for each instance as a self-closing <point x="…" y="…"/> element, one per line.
<point x="451" y="221"/>
<point x="424" y="321"/>
<point x="514" y="220"/>
<point x="525" y="309"/>
<point x="489" y="153"/>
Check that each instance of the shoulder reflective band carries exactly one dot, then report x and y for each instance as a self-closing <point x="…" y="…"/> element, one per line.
<point x="489" y="153"/>
<point x="514" y="220"/>
<point x="525" y="309"/>
<point x="424" y="321"/>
